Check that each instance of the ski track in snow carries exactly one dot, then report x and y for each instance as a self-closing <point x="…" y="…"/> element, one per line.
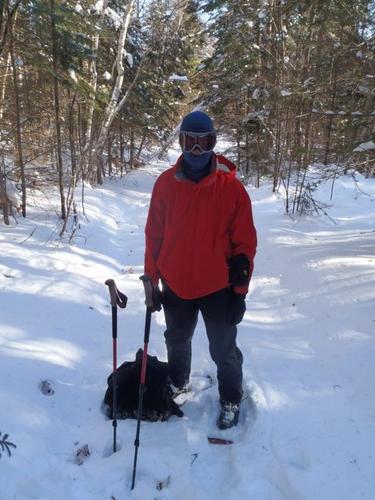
<point x="307" y="422"/>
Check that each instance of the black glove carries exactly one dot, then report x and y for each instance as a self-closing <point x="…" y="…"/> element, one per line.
<point x="156" y="298"/>
<point x="236" y="308"/>
<point x="240" y="270"/>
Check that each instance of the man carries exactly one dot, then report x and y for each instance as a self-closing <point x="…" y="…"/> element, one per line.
<point x="201" y="243"/>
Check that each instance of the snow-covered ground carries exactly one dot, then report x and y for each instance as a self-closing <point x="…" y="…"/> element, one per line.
<point x="307" y="429"/>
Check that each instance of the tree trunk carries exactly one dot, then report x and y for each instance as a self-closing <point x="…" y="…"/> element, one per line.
<point x="60" y="166"/>
<point x="79" y="128"/>
<point x="72" y="144"/>
<point x="131" y="159"/>
<point x="4" y="200"/>
<point x="121" y="148"/>
<point x="115" y="104"/>
<point x="20" y="161"/>
<point x="7" y="15"/>
<point x="238" y="138"/>
<point x="109" y="152"/>
<point x="330" y="118"/>
<point x="141" y="144"/>
<point x="8" y="65"/>
<point x="247" y="155"/>
<point x="85" y="161"/>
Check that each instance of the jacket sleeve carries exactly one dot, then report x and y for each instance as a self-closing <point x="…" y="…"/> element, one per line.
<point x="154" y="232"/>
<point x="243" y="236"/>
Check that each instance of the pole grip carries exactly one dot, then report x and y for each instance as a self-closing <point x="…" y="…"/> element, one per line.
<point x="117" y="297"/>
<point x="147" y="284"/>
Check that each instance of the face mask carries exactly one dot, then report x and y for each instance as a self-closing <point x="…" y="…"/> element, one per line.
<point x="197" y="162"/>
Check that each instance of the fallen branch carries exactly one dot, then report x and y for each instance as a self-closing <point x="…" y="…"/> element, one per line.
<point x="5" y="445"/>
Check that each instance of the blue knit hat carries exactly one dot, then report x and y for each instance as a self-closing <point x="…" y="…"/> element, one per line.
<point x="197" y="121"/>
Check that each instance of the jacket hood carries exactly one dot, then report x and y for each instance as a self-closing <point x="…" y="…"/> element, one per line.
<point x="225" y="165"/>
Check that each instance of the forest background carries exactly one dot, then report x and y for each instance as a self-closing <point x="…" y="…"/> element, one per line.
<point x="89" y="88"/>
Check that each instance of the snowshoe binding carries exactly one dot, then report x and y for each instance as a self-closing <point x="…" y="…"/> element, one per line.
<point x="180" y="394"/>
<point x="229" y="415"/>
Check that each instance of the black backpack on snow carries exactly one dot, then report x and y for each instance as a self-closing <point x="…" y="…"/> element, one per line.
<point x="157" y="399"/>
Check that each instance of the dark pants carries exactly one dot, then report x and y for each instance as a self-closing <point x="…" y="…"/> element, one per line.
<point x="181" y="318"/>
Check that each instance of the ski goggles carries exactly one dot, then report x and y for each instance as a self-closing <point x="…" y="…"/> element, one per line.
<point x="205" y="141"/>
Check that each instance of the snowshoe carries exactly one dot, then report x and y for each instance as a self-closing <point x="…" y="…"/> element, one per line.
<point x="180" y="394"/>
<point x="229" y="415"/>
<point x="176" y="391"/>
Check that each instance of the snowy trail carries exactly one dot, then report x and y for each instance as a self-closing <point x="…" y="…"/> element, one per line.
<point x="322" y="290"/>
<point x="307" y="340"/>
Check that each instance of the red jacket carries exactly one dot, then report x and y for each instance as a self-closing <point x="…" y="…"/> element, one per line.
<point x="193" y="229"/>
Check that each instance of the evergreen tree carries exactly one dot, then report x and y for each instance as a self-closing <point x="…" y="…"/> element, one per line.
<point x="289" y="81"/>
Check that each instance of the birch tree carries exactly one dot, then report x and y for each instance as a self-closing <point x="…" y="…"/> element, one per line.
<point x="15" y="63"/>
<point x="8" y="10"/>
<point x="85" y="162"/>
<point x="116" y="102"/>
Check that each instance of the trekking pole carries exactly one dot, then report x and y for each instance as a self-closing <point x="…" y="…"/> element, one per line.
<point x="142" y="385"/>
<point x="117" y="299"/>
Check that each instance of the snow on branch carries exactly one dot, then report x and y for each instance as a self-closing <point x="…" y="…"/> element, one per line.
<point x="364" y="146"/>
<point x="180" y="78"/>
